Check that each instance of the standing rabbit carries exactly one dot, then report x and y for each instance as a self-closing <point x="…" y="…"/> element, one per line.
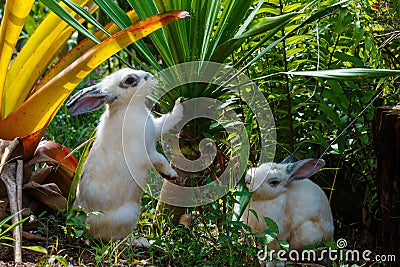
<point x="298" y="206"/>
<point x="106" y="183"/>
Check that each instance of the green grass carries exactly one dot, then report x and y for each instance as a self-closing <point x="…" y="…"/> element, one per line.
<point x="209" y="241"/>
<point x="204" y="243"/>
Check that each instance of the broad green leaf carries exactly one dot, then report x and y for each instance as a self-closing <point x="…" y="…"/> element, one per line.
<point x="348" y="74"/>
<point x="358" y="34"/>
<point x="356" y="62"/>
<point x="36" y="112"/>
<point x="269" y="236"/>
<point x="242" y="199"/>
<point x="338" y="96"/>
<point x="15" y="14"/>
<point x="294" y="51"/>
<point x="284" y="245"/>
<point x="343" y="22"/>
<point x="297" y="38"/>
<point x="271" y="224"/>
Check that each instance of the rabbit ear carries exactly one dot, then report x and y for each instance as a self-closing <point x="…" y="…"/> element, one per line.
<point x="289" y="159"/>
<point x="303" y="169"/>
<point x="86" y="100"/>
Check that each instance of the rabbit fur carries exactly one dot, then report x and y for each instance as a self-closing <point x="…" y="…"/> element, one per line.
<point x="298" y="206"/>
<point x="106" y="183"/>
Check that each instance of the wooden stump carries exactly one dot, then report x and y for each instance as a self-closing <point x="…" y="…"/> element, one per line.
<point x="386" y="131"/>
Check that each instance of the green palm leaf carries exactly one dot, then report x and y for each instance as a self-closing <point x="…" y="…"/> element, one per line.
<point x="347" y="74"/>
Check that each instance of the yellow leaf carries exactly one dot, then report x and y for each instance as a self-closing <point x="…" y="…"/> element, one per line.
<point x="36" y="249"/>
<point x="15" y="14"/>
<point x="35" y="57"/>
<point x="81" y="48"/>
<point x="51" y="25"/>
<point x="41" y="107"/>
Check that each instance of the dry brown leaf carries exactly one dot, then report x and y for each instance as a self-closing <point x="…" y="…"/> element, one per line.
<point x="55" y="172"/>
<point x="57" y="152"/>
<point x="48" y="194"/>
<point x="40" y="175"/>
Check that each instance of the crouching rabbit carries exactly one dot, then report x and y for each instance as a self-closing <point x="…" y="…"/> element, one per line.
<point x="298" y="206"/>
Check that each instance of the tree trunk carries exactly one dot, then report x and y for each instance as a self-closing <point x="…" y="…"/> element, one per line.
<point x="164" y="209"/>
<point x="386" y="130"/>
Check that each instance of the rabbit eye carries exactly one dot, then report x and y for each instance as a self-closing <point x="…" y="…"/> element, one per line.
<point x="130" y="80"/>
<point x="274" y="183"/>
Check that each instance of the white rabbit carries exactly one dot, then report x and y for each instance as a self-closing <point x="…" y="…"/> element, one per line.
<point x="106" y="183"/>
<point x="298" y="206"/>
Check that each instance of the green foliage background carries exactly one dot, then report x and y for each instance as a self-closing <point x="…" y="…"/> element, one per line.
<point x="315" y="117"/>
